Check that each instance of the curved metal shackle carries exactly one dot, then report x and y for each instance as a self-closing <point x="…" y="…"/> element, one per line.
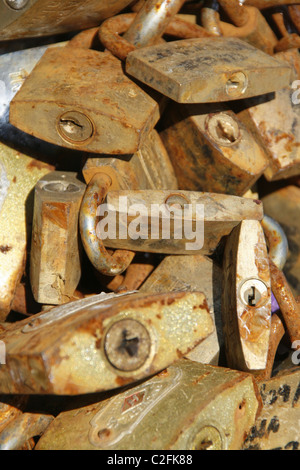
<point x="261" y="4"/>
<point x="107" y="264"/>
<point x="278" y="243"/>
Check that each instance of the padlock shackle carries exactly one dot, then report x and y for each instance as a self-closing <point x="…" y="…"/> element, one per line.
<point x="210" y="20"/>
<point x="277" y="240"/>
<point x="110" y="30"/>
<point x="84" y="39"/>
<point x="261" y="4"/>
<point x="109" y="265"/>
<point x="23" y="428"/>
<point x="235" y="11"/>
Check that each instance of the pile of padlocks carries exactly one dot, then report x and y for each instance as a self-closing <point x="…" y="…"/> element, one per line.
<point x="114" y="336"/>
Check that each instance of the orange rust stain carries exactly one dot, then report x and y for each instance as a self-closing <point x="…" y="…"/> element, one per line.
<point x="57" y="213"/>
<point x="39" y="165"/>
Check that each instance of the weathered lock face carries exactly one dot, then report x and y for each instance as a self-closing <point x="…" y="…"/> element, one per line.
<point x="55" y="264"/>
<point x="18" y="175"/>
<point x="81" y="99"/>
<point x="274" y="121"/>
<point x="28" y="18"/>
<point x="149" y="168"/>
<point x="219" y="405"/>
<point x="193" y="273"/>
<point x="181" y="222"/>
<point x="102" y="342"/>
<point x="277" y="426"/>
<point x="246" y="304"/>
<point x="211" y="149"/>
<point x="207" y="70"/>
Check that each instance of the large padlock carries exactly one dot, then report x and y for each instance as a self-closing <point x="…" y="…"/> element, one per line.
<point x="191" y="274"/>
<point x="18" y="175"/>
<point x="166" y="222"/>
<point x="274" y="120"/>
<point x="29" y="18"/>
<point x="246" y="300"/>
<point x="249" y="25"/>
<point x="55" y="259"/>
<point x="102" y="342"/>
<point x="276" y="427"/>
<point x="211" y="149"/>
<point x="214" y="406"/>
<point x="113" y="118"/>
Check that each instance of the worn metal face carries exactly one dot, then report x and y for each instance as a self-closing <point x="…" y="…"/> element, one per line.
<point x="70" y="350"/>
<point x="29" y="18"/>
<point x="149" y="168"/>
<point x="283" y="205"/>
<point x="211" y="149"/>
<point x="18" y="175"/>
<point x="182" y="222"/>
<point x="274" y="120"/>
<point x="246" y="304"/>
<point x="55" y="267"/>
<point x="277" y="426"/>
<point x="207" y="70"/>
<point x="63" y="104"/>
<point x="214" y="408"/>
<point x="195" y="273"/>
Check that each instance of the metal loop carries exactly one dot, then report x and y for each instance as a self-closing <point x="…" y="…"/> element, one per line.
<point x="278" y="243"/>
<point x="107" y="264"/>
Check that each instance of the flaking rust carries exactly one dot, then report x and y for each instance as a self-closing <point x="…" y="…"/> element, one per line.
<point x="18" y="175"/>
<point x="246" y="304"/>
<point x="211" y="408"/>
<point x="69" y="350"/>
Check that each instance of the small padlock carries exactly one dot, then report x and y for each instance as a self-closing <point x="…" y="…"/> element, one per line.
<point x="195" y="273"/>
<point x="102" y="342"/>
<point x="166" y="222"/>
<point x="214" y="406"/>
<point x="55" y="264"/>
<point x="276" y="427"/>
<point x="29" y="18"/>
<point x="249" y="25"/>
<point x="18" y="175"/>
<point x="246" y="300"/>
<point x="211" y="149"/>
<point x="274" y="121"/>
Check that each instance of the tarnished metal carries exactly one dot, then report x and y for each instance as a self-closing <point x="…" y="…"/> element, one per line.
<point x="210" y="18"/>
<point x="55" y="264"/>
<point x="68" y="351"/>
<point x="246" y="301"/>
<point x="21" y="18"/>
<point x="18" y="175"/>
<point x="152" y="212"/>
<point x="22" y="429"/>
<point x="288" y="40"/>
<point x="261" y="4"/>
<point x="277" y="241"/>
<point x="207" y="70"/>
<point x="277" y="426"/>
<point x="284" y="206"/>
<point x="10" y="408"/>
<point x="294" y="14"/>
<point x="214" y="408"/>
<point x="211" y="149"/>
<point x="191" y="274"/>
<point x="274" y="121"/>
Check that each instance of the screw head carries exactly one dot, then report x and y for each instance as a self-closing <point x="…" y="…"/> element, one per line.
<point x="253" y="293"/>
<point x="16" y="4"/>
<point x="223" y="129"/>
<point x="127" y="345"/>
<point x="75" y="127"/>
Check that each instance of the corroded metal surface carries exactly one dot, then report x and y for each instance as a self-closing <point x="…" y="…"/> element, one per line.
<point x="67" y="351"/>
<point x="55" y="264"/>
<point x="44" y="17"/>
<point x="214" y="408"/>
<point x="246" y="304"/>
<point x="207" y="70"/>
<point x="211" y="149"/>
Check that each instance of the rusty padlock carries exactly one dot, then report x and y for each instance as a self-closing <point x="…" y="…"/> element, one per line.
<point x="218" y="407"/>
<point x="274" y="120"/>
<point x="249" y="25"/>
<point x="55" y="261"/>
<point x="18" y="175"/>
<point x="191" y="274"/>
<point x="289" y="40"/>
<point x="141" y="221"/>
<point x="211" y="149"/>
<point x="246" y="301"/>
<point x="29" y="18"/>
<point x="102" y="342"/>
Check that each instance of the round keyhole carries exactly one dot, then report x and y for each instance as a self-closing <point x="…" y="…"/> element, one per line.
<point x="254" y="293"/>
<point x="223" y="129"/>
<point x="75" y="127"/>
<point x="236" y="85"/>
